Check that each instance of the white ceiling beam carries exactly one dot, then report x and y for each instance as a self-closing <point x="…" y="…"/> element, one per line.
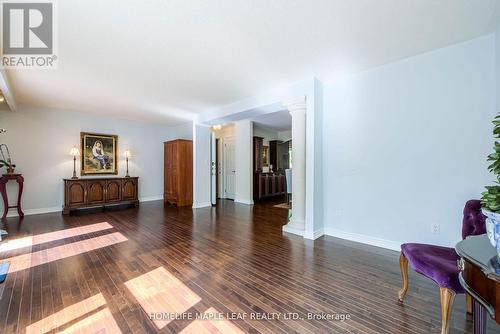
<point x="6" y="89"/>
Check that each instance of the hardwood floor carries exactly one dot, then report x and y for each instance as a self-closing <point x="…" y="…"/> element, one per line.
<point x="117" y="270"/>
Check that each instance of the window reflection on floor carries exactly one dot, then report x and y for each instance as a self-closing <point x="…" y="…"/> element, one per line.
<point x="19" y="243"/>
<point x="158" y="291"/>
<point x="88" y="316"/>
<point x="211" y="326"/>
<point x="34" y="259"/>
<point x="101" y="322"/>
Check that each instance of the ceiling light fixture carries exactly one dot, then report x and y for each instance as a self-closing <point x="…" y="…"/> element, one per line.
<point x="2" y="98"/>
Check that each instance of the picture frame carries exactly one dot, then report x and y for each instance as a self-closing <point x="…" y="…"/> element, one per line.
<point x="265" y="155"/>
<point x="99" y="154"/>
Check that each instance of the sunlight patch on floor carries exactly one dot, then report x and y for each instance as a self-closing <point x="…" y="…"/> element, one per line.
<point x="67" y="315"/>
<point x="34" y="259"/>
<point x="99" y="322"/>
<point x="52" y="236"/>
<point x="207" y="325"/>
<point x="158" y="291"/>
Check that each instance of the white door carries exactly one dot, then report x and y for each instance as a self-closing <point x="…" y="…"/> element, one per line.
<point x="229" y="167"/>
<point x="213" y="170"/>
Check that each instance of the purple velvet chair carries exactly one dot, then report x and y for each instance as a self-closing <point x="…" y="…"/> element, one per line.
<point x="440" y="263"/>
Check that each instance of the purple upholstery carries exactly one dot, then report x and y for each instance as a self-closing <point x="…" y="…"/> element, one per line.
<point x="474" y="220"/>
<point x="435" y="262"/>
<point x="440" y="263"/>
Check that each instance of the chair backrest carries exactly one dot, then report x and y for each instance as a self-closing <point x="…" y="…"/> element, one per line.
<point x="474" y="222"/>
<point x="288" y="176"/>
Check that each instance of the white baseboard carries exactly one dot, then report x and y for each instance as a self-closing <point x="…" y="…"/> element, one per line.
<point x="290" y="229"/>
<point x="314" y="235"/>
<point x="29" y="212"/>
<point x="151" y="198"/>
<point x="364" y="239"/>
<point x="244" y="201"/>
<point x="201" y="205"/>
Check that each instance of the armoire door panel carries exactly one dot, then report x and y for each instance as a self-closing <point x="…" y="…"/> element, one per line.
<point x="178" y="172"/>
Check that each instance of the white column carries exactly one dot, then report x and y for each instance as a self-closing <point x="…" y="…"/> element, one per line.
<point x="201" y="166"/>
<point x="298" y="110"/>
<point x="243" y="162"/>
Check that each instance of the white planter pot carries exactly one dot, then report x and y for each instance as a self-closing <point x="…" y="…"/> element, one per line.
<point x="492" y="220"/>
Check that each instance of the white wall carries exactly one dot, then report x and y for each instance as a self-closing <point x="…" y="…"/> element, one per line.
<point x="201" y="166"/>
<point x="285" y="135"/>
<point x="405" y="145"/>
<point x="40" y="140"/>
<point x="244" y="164"/>
<point x="319" y="228"/>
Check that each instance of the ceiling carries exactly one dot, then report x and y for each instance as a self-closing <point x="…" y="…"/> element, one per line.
<point x="167" y="60"/>
<point x="279" y="121"/>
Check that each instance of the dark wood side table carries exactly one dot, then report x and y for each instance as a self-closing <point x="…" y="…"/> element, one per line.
<point x="3" y="190"/>
<point x="480" y="277"/>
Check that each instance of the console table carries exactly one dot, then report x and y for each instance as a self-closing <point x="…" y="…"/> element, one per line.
<point x="3" y="189"/>
<point x="480" y="277"/>
<point x="99" y="192"/>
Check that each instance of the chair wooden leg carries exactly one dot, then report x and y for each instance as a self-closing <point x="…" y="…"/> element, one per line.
<point x="447" y="297"/>
<point x="403" y="265"/>
<point x="468" y="300"/>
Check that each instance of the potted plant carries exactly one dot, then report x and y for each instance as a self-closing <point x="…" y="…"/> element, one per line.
<point x="491" y="196"/>
<point x="10" y="166"/>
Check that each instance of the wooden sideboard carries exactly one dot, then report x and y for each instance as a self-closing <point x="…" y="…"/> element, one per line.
<point x="95" y="192"/>
<point x="269" y="185"/>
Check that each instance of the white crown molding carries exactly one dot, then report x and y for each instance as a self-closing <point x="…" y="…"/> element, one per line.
<point x="6" y="89"/>
<point x="296" y="105"/>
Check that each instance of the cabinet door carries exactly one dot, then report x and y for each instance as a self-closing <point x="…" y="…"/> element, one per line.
<point x="168" y="169"/>
<point x="113" y="190"/>
<point x="75" y="193"/>
<point x="129" y="189"/>
<point x="175" y="167"/>
<point x="95" y="191"/>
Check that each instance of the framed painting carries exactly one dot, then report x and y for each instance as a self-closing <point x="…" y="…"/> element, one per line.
<point x="98" y="154"/>
<point x="265" y="155"/>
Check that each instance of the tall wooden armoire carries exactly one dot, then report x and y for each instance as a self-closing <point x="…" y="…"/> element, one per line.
<point x="178" y="172"/>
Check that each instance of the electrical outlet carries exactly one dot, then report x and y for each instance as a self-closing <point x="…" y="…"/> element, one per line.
<point x="435" y="228"/>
